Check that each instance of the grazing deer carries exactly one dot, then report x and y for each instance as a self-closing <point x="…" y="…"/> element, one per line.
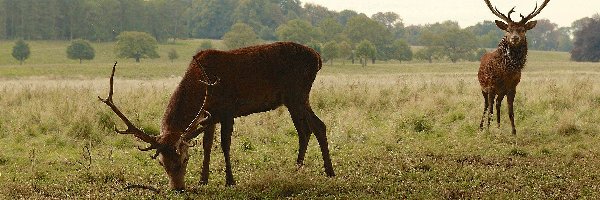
<point x="500" y="70"/>
<point x="219" y="86"/>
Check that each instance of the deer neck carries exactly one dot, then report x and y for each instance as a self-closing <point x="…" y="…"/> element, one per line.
<point x="513" y="56"/>
<point x="185" y="102"/>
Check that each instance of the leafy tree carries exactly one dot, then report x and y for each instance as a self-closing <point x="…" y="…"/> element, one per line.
<point x="173" y="55"/>
<point x="544" y="36"/>
<point x="176" y="17"/>
<point x="80" y="50"/>
<point x="458" y="44"/>
<point x="388" y="19"/>
<point x="398" y="31"/>
<point x="316" y="46"/>
<point x="331" y="50"/>
<point x="345" y="15"/>
<point x="432" y="34"/>
<point x="2" y="20"/>
<point x="365" y="50"/>
<point x="240" y="35"/>
<point x="587" y="42"/>
<point x="565" y="43"/>
<point x="211" y="18"/>
<point x="449" y="41"/>
<point x="297" y="30"/>
<point x="21" y="51"/>
<point x="487" y="33"/>
<point x="345" y="51"/>
<point x="428" y="53"/>
<point x="331" y="28"/>
<point x="137" y="45"/>
<point x="316" y="13"/>
<point x="412" y="34"/>
<point x="290" y="9"/>
<point x="105" y="19"/>
<point x="401" y="51"/>
<point x="392" y="22"/>
<point x="262" y="15"/>
<point x="577" y="25"/>
<point x="361" y="28"/>
<point x="478" y="54"/>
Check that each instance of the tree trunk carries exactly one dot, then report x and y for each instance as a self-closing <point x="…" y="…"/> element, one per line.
<point x="80" y="61"/>
<point x="137" y="59"/>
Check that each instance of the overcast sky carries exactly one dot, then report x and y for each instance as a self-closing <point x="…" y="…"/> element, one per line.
<point x="466" y="12"/>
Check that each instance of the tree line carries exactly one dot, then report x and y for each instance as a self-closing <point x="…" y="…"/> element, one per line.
<point x="245" y="22"/>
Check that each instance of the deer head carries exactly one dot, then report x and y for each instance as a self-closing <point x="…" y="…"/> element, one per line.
<point x="171" y="148"/>
<point x="515" y="31"/>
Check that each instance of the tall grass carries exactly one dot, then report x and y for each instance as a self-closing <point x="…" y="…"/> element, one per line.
<point x="395" y="131"/>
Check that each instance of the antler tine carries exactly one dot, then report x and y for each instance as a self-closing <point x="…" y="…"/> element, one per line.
<point x="131" y="129"/>
<point x="151" y="147"/>
<point x="510" y="12"/>
<point x="535" y="11"/>
<point x="496" y="12"/>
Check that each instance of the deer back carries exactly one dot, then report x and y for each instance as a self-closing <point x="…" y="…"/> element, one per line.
<point x="253" y="79"/>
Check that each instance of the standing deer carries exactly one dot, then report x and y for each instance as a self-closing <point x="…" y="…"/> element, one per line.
<point x="500" y="70"/>
<point x="219" y="86"/>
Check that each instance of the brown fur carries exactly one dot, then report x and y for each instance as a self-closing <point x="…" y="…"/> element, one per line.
<point x="500" y="70"/>
<point x="499" y="74"/>
<point x="251" y="80"/>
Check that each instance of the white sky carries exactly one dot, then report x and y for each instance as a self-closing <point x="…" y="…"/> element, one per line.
<point x="466" y="12"/>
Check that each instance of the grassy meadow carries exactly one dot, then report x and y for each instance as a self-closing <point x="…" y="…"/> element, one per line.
<point x="406" y="130"/>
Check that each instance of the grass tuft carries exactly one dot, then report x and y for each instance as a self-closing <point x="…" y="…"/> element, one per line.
<point x="518" y="152"/>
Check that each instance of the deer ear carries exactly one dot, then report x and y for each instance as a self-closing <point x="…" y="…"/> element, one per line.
<point x="501" y="25"/>
<point x="530" y="25"/>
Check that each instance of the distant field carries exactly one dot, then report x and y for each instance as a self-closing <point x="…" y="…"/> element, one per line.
<point x="406" y="130"/>
<point x="49" y="60"/>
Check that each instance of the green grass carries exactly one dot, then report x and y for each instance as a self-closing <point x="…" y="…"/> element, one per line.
<point x="405" y="130"/>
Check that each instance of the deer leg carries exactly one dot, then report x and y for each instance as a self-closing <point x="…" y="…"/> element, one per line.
<point x="226" y="131"/>
<point x="490" y="99"/>
<point x="303" y="130"/>
<point x="485" y="107"/>
<point x="319" y="129"/>
<point x="498" y="105"/>
<point x="207" y="142"/>
<point x="511" y="114"/>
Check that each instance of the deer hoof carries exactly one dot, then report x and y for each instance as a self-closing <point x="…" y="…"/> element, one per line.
<point x="330" y="173"/>
<point x="230" y="183"/>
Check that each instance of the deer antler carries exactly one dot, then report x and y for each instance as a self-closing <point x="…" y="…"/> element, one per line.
<point x="131" y="129"/>
<point x="535" y="12"/>
<point x="496" y="12"/>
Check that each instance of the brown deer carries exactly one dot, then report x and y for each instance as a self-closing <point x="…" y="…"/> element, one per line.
<point x="219" y="86"/>
<point x="500" y="70"/>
